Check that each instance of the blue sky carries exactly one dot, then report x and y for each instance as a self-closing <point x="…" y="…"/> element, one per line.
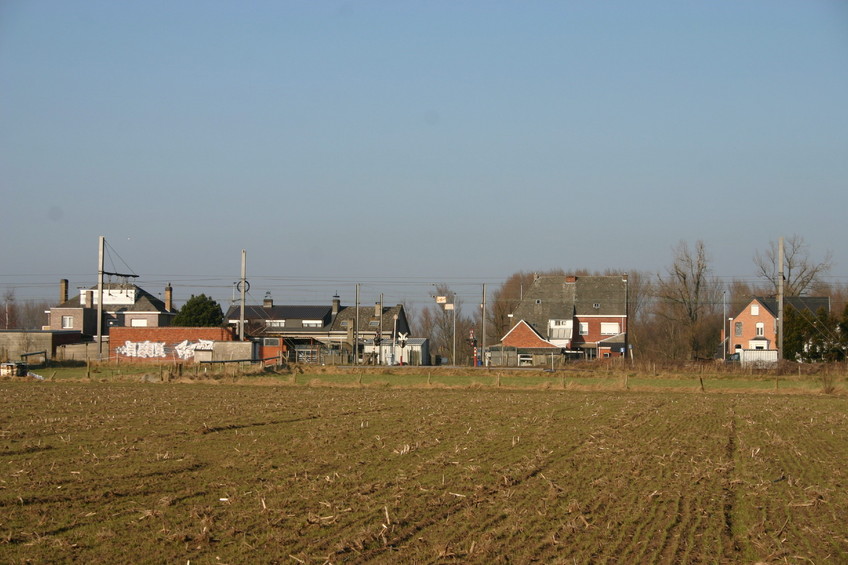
<point x="398" y="144"/>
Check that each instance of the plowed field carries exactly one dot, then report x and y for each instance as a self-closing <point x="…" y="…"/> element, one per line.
<point x="192" y="473"/>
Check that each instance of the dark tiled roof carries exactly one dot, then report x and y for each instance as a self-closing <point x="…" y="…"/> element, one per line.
<point x="281" y="313"/>
<point x="366" y="315"/>
<point x="810" y="304"/>
<point x="554" y="297"/>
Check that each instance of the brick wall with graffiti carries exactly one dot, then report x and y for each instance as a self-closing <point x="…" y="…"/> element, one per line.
<point x="163" y="344"/>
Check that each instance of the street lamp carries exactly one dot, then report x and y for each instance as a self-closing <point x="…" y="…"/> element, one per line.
<point x="443" y="300"/>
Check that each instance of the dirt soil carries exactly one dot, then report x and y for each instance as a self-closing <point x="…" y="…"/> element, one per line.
<point x="185" y="473"/>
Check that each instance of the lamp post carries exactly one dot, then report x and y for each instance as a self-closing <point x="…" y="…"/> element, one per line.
<point x="394" y="338"/>
<point x="443" y="300"/>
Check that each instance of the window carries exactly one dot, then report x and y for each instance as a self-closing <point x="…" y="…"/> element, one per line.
<point x="67" y="322"/>
<point x="374" y="323"/>
<point x="138" y="323"/>
<point x="584" y="328"/>
<point x="275" y="323"/>
<point x="755" y="310"/>
<point x="312" y="324"/>
<point x="271" y="342"/>
<point x="610" y="328"/>
<point x="559" y="329"/>
<point x="345" y="323"/>
<point x="761" y="329"/>
<point x="737" y="328"/>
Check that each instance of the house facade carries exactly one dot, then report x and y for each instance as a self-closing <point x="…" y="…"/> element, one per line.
<point x="755" y="326"/>
<point x="319" y="334"/>
<point x="584" y="316"/>
<point x="124" y="305"/>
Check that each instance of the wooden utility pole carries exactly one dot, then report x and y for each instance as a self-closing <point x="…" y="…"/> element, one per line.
<point x="243" y="291"/>
<point x="780" y="298"/>
<point x="483" y="323"/>
<point x="101" y="250"/>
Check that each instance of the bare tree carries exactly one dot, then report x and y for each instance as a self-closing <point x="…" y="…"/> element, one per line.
<point x="505" y="300"/>
<point x="10" y="311"/>
<point x="801" y="272"/>
<point x="689" y="296"/>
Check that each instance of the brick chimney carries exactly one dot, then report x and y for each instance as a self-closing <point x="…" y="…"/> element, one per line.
<point x="169" y="298"/>
<point x="377" y="309"/>
<point x="268" y="302"/>
<point x="63" y="291"/>
<point x="337" y="304"/>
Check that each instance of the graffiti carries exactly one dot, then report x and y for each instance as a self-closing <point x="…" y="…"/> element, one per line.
<point x="144" y="349"/>
<point x="185" y="349"/>
<point x="149" y="349"/>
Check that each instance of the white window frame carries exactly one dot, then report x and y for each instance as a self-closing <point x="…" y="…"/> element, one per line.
<point x="584" y="328"/>
<point x="560" y="329"/>
<point x="313" y="324"/>
<point x="607" y="330"/>
<point x="67" y="322"/>
<point x="755" y="309"/>
<point x="138" y="322"/>
<point x="275" y="323"/>
<point x="761" y="329"/>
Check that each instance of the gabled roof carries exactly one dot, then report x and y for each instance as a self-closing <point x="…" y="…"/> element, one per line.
<point x="144" y="301"/>
<point x="368" y="314"/>
<point x="553" y="297"/>
<point x="255" y="312"/>
<point x="340" y="323"/>
<point x="523" y="335"/>
<point x="810" y="304"/>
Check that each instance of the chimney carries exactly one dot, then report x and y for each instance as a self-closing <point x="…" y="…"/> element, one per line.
<point x="337" y="303"/>
<point x="268" y="302"/>
<point x="377" y="309"/>
<point x="63" y="291"/>
<point x="169" y="298"/>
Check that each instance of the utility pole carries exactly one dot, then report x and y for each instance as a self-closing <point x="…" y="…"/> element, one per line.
<point x="483" y="323"/>
<point x="780" y="298"/>
<point x="453" y="358"/>
<point x="101" y="250"/>
<point x="356" y="329"/>
<point x="725" y="327"/>
<point x="626" y="324"/>
<point x="243" y="291"/>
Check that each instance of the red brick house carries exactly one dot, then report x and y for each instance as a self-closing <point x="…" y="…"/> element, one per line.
<point x="755" y="326"/>
<point x="124" y="304"/>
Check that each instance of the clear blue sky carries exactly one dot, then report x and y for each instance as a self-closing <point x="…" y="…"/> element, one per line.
<point x="403" y="143"/>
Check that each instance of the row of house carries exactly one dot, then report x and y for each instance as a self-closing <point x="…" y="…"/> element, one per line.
<point x="583" y="317"/>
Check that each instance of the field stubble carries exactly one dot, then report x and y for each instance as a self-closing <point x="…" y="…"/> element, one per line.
<point x="131" y="472"/>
